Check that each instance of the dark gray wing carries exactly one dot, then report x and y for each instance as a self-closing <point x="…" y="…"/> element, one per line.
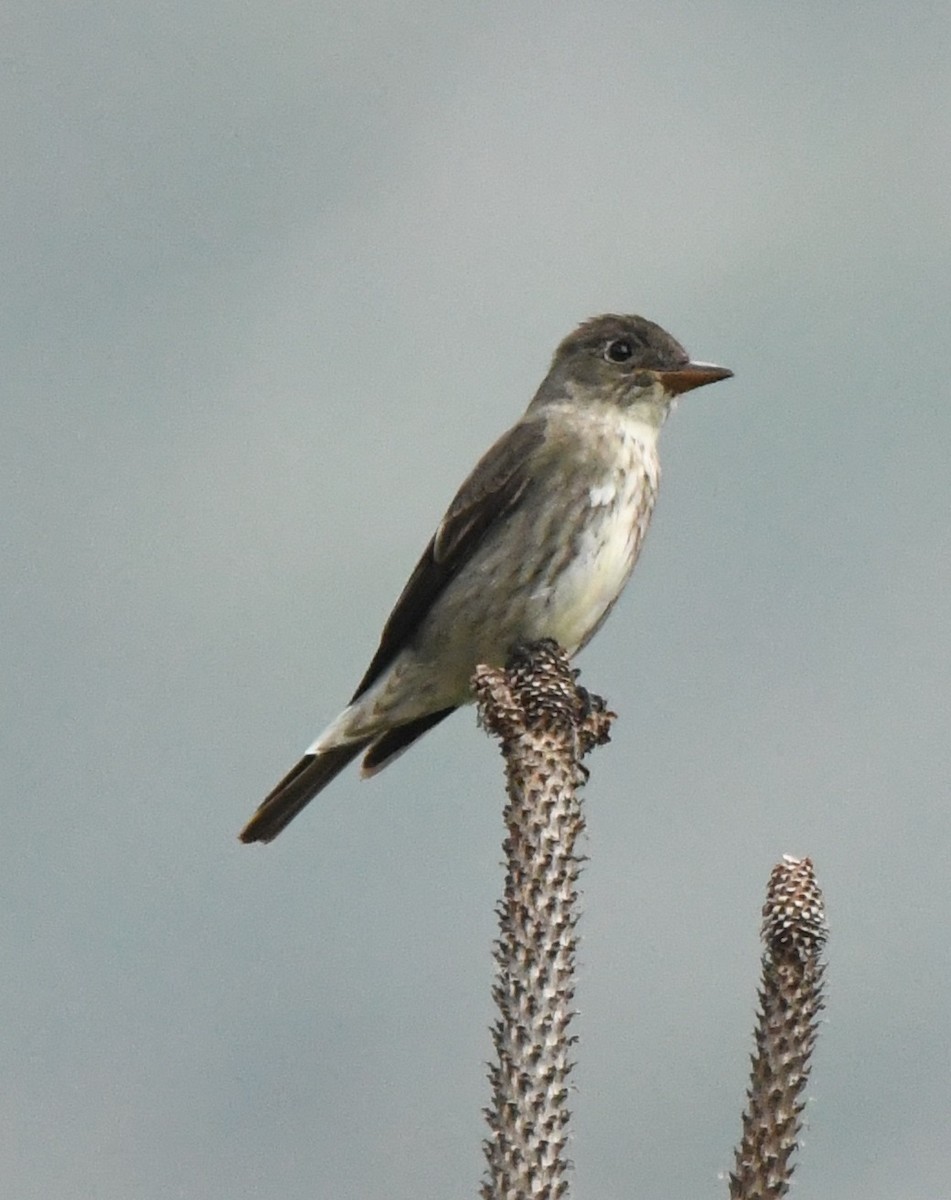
<point x="495" y="487"/>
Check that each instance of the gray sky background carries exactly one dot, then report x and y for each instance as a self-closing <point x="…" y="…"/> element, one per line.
<point x="274" y="276"/>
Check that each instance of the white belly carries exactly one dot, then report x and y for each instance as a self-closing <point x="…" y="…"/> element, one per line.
<point x="606" y="551"/>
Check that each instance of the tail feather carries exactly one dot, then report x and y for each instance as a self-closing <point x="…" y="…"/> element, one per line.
<point x="392" y="743"/>
<point x="318" y="767"/>
<point x="296" y="790"/>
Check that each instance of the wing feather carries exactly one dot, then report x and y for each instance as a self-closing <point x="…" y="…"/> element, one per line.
<point x="494" y="489"/>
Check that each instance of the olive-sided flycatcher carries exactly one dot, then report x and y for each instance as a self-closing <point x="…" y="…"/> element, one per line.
<point x="538" y="543"/>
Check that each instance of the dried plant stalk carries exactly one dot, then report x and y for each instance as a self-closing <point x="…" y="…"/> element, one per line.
<point x="791" y="999"/>
<point x="545" y="723"/>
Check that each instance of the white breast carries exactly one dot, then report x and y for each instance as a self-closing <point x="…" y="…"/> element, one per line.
<point x="608" y="539"/>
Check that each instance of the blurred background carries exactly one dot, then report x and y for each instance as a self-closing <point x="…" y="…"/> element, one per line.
<point x="275" y="275"/>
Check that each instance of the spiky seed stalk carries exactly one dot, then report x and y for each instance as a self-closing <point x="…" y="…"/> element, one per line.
<point x="791" y="998"/>
<point x="545" y="723"/>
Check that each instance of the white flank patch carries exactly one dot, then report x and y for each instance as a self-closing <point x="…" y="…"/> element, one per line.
<point x="603" y="494"/>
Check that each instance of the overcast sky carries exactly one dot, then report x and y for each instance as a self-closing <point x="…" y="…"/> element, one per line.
<point x="275" y="274"/>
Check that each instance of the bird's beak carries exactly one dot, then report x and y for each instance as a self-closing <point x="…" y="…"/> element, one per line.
<point x="692" y="375"/>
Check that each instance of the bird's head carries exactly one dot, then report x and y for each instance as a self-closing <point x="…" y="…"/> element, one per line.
<point x="627" y="361"/>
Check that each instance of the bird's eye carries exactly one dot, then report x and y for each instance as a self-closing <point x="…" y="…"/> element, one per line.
<point x="620" y="350"/>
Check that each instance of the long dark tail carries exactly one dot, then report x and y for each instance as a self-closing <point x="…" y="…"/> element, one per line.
<point x="314" y="771"/>
<point x="396" y="741"/>
<point x="296" y="790"/>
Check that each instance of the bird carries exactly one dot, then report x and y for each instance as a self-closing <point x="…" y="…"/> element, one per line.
<point x="537" y="544"/>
